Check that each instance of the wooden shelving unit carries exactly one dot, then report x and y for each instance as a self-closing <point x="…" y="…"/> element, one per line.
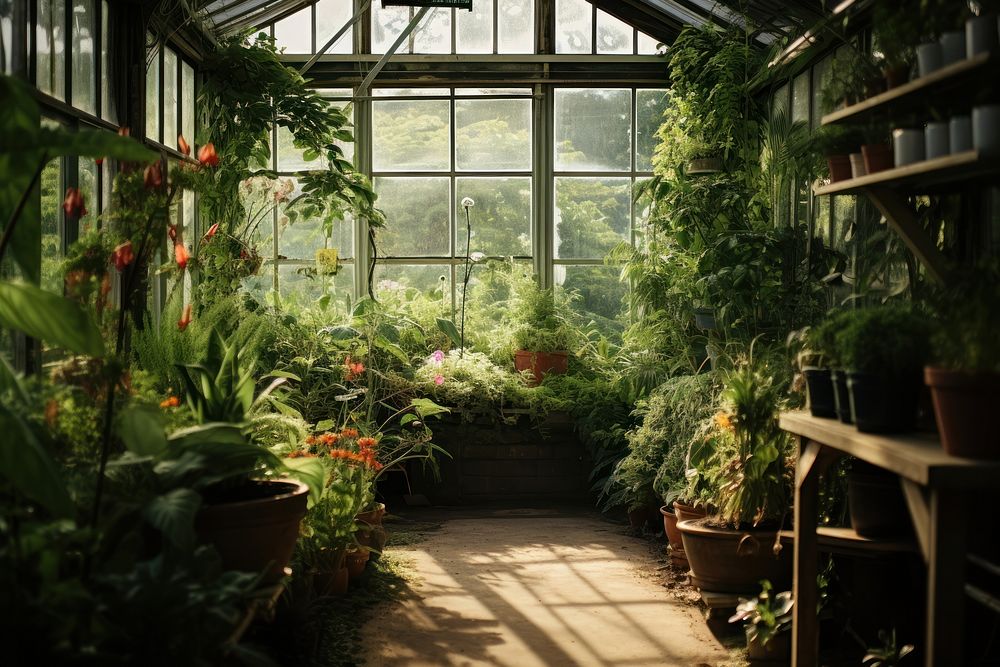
<point x="846" y="542"/>
<point x="937" y="488"/>
<point x="965" y="76"/>
<point x="959" y="167"/>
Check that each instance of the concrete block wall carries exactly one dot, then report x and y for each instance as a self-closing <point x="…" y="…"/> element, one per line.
<point x="494" y="462"/>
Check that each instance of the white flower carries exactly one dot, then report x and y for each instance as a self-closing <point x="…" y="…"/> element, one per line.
<point x="468" y="202"/>
<point x="477" y="257"/>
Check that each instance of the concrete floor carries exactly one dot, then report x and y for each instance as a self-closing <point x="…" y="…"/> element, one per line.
<point x="521" y="588"/>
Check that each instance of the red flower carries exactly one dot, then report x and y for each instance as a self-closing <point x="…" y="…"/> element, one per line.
<point x="123" y="132"/>
<point x="181" y="255"/>
<point x="73" y="204"/>
<point x="211" y="232"/>
<point x="99" y="161"/>
<point x="153" y="176"/>
<point x="354" y="369"/>
<point x="185" y="320"/>
<point x="170" y="402"/>
<point x="123" y="255"/>
<point x="207" y="155"/>
<point x="182" y="145"/>
<point x="367" y="443"/>
<point x="172" y="232"/>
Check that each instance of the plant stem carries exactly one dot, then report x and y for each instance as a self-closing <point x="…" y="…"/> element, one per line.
<point x="8" y="230"/>
<point x="465" y="280"/>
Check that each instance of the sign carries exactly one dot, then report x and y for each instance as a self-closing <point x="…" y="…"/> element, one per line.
<point x="461" y="4"/>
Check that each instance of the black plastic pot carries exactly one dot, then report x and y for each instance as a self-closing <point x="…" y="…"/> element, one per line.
<point x="876" y="502"/>
<point x="841" y="397"/>
<point x="883" y="405"/>
<point x="819" y="388"/>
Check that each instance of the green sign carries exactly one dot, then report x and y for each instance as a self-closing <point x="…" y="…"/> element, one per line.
<point x="461" y="4"/>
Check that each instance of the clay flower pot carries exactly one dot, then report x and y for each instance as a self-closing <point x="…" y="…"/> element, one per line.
<point x="541" y="363"/>
<point x="877" y="157"/>
<point x="839" y="166"/>
<point x="687" y="512"/>
<point x="677" y="556"/>
<point x="724" y="560"/>
<point x="964" y="404"/>
<point x="356" y="561"/>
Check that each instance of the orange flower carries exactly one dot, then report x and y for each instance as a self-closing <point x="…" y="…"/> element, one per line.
<point x="349" y="433"/>
<point x="182" y="145"/>
<point x="73" y="204"/>
<point x="211" y="232"/>
<point x="311" y="440"/>
<point x="152" y="178"/>
<point x="51" y="412"/>
<point x="170" y="402"/>
<point x="354" y="368"/>
<point x="123" y="255"/>
<point x="329" y="439"/>
<point x="723" y="422"/>
<point x="185" y="320"/>
<point x="207" y="155"/>
<point x="181" y="255"/>
<point x="367" y="443"/>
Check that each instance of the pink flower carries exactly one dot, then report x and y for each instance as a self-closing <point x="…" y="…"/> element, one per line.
<point x="438" y="356"/>
<point x="439" y="380"/>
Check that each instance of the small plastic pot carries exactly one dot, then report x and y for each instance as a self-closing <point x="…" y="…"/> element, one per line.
<point x="819" y="389"/>
<point x="883" y="404"/>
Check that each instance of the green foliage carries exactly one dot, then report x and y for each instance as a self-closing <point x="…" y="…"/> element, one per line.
<point x="889" y="653"/>
<point x="543" y="322"/>
<point x="889" y="341"/>
<point x="765" y="616"/>
<point x="851" y="74"/>
<point x="220" y="388"/>
<point x="836" y="140"/>
<point x="967" y="310"/>
<point x="49" y="317"/>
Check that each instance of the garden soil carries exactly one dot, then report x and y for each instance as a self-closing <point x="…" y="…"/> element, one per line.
<point x="521" y="588"/>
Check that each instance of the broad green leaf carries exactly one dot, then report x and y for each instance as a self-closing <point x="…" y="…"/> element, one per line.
<point x="85" y="143"/>
<point x="310" y="472"/>
<point x="173" y="515"/>
<point x="49" y="317"/>
<point x="28" y="467"/>
<point x="340" y="332"/>
<point x="448" y="328"/>
<point x="141" y="429"/>
<point x="393" y="349"/>
<point x="9" y="381"/>
<point x="425" y="407"/>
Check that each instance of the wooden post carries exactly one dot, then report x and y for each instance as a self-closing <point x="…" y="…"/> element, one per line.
<point x="813" y="459"/>
<point x="946" y="578"/>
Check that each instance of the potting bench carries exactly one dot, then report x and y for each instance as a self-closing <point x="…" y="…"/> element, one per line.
<point x="936" y="486"/>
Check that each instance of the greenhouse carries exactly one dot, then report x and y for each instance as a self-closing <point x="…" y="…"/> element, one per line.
<point x="499" y="332"/>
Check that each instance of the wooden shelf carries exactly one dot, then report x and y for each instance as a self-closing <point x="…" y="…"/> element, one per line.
<point x="846" y="541"/>
<point x="960" y="167"/>
<point x="963" y="79"/>
<point x="917" y="457"/>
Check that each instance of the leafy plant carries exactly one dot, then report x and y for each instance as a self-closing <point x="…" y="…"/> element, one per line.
<point x="889" y="653"/>
<point x="543" y="323"/>
<point x="765" y="616"/>
<point x="891" y="340"/>
<point x="967" y="310"/>
<point x="836" y="140"/>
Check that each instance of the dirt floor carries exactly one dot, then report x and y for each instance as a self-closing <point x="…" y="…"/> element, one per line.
<point x="524" y="587"/>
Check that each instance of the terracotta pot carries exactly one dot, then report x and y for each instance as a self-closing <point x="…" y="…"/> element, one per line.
<point x="254" y="527"/>
<point x="840" y="167"/>
<point x="356" y="561"/>
<point x="332" y="583"/>
<point x="778" y="651"/>
<point x="687" y="512"/>
<point x="677" y="556"/>
<point x="878" y="157"/>
<point x="896" y="76"/>
<point x="734" y="561"/>
<point x="964" y="404"/>
<point x="876" y="503"/>
<point x="705" y="165"/>
<point x="373" y="517"/>
<point x="541" y="363"/>
<point x="819" y="389"/>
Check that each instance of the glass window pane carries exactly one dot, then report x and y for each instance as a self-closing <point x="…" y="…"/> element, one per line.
<point x="417" y="215"/>
<point x="592" y="216"/>
<point x="433" y="280"/>
<point x="493" y="135"/>
<point x="821" y="75"/>
<point x="290" y="158"/>
<point x="294" y="34"/>
<point x="331" y="15"/>
<point x="574" y="26"/>
<point x="474" y="33"/>
<point x="6" y="47"/>
<point x="346" y="146"/>
<point x="188" y="102"/>
<point x="302" y="289"/>
<point x="170" y="128"/>
<point x="84" y="64"/>
<point x="800" y="97"/>
<point x="501" y="217"/>
<point x="411" y="135"/>
<point x="516" y="26"/>
<point x="87" y="178"/>
<point x="51" y="209"/>
<point x="647" y="46"/>
<point x="153" y="95"/>
<point x="411" y="92"/>
<point x="592" y="129"/>
<point x="613" y="35"/>
<point x="780" y="100"/>
<point x="433" y="35"/>
<point x="599" y="294"/>
<point x="648" y="116"/>
<point x="107" y="107"/>
<point x="50" y="44"/>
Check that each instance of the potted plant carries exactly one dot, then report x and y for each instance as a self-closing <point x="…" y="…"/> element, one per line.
<point x="747" y="479"/>
<point x="875" y="150"/>
<point x="897" y="28"/>
<point x="812" y="366"/>
<point x="836" y="143"/>
<point x="965" y="378"/>
<point x="884" y="349"/>
<point x="767" y="621"/>
<point x="544" y="337"/>
<point x="852" y="76"/>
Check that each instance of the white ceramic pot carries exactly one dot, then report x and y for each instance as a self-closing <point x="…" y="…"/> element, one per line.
<point x="907" y="146"/>
<point x="952" y="47"/>
<point x="980" y="35"/>
<point x="929" y="58"/>
<point x="936" y="142"/>
<point x="960" y="134"/>
<point x="986" y="129"/>
<point x="858" y="165"/>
